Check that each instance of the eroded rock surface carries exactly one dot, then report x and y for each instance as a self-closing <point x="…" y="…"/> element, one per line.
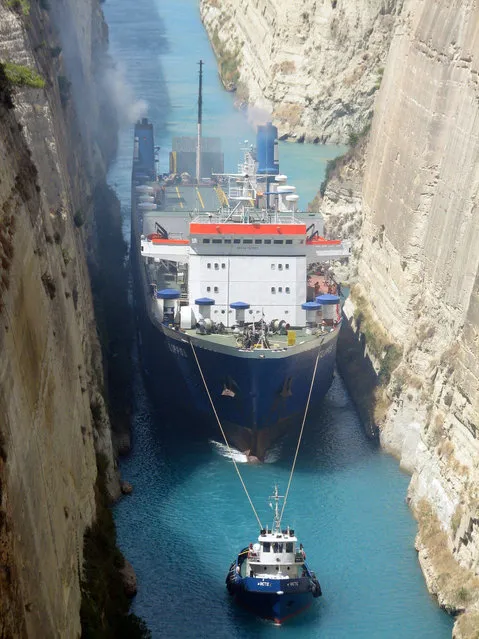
<point x="315" y="65"/>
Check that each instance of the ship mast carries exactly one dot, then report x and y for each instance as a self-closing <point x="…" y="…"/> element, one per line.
<point x="200" y="114"/>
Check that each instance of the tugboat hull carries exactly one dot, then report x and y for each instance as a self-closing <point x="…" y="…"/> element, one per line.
<point x="274" y="606"/>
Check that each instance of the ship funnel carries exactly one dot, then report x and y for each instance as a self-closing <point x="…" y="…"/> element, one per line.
<point x="267" y="149"/>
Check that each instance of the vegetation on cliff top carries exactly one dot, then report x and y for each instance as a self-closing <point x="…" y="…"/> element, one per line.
<point x="21" y="76"/>
<point x="22" y="5"/>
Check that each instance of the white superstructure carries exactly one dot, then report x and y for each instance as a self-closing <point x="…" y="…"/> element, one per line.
<point x="248" y="260"/>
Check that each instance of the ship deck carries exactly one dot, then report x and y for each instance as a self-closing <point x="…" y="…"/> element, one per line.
<point x="276" y="341"/>
<point x="183" y="202"/>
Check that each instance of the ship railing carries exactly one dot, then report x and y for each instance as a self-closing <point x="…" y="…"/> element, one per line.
<point x="245" y="214"/>
<point x="237" y="193"/>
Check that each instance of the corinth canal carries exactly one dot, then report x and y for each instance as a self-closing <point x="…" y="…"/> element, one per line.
<point x="188" y="515"/>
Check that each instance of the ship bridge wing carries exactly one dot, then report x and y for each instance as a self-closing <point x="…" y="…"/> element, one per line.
<point x="173" y="250"/>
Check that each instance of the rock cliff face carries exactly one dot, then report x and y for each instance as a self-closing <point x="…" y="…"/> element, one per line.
<point x="419" y="269"/>
<point x="315" y="65"/>
<point x="53" y="420"/>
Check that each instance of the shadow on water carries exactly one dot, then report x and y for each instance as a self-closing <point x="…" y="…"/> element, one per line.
<point x="333" y="437"/>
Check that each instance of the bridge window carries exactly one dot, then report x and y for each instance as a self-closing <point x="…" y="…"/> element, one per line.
<point x="273" y="289"/>
<point x="247" y="241"/>
<point x="227" y="241"/>
<point x="258" y="241"/>
<point x="206" y="241"/>
<point x="286" y="266"/>
<point x="280" y="267"/>
<point x="280" y="289"/>
<point x="208" y="289"/>
<point x="286" y="290"/>
<point x="236" y="241"/>
<point x="217" y="241"/>
<point x="216" y="266"/>
<point x="276" y="241"/>
<point x="223" y="265"/>
<point x="286" y="241"/>
<point x="208" y="265"/>
<point x="289" y="546"/>
<point x="216" y="289"/>
<point x="267" y="241"/>
<point x="266" y="546"/>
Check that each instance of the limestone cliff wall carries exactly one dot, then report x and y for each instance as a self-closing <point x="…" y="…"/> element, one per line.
<point x="419" y="269"/>
<point x="315" y="65"/>
<point x="52" y="420"/>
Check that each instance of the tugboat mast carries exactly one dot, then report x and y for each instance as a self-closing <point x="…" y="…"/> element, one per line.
<point x="277" y="514"/>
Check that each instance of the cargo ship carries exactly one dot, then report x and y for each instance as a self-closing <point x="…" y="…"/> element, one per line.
<point x="220" y="266"/>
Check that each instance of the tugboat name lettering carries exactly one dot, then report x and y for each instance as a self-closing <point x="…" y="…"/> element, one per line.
<point x="264" y="583"/>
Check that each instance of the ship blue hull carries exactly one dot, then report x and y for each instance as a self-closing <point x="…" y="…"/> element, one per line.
<point x="257" y="399"/>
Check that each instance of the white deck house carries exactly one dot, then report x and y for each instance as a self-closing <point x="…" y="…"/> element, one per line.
<point x="263" y="265"/>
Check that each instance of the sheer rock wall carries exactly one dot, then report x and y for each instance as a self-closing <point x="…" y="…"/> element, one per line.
<point x="419" y="268"/>
<point x="53" y="419"/>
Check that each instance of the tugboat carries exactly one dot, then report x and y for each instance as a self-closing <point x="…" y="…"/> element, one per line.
<point x="271" y="577"/>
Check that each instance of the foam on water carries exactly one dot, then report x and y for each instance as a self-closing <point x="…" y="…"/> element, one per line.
<point x="272" y="455"/>
<point x="229" y="452"/>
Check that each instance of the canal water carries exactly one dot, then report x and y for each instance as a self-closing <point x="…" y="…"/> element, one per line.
<point x="188" y="516"/>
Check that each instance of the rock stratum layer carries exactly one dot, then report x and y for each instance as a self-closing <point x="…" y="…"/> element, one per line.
<point x="418" y="274"/>
<point x="53" y="421"/>
<point x="315" y="65"/>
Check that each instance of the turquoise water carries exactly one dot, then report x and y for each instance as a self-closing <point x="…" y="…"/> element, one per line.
<point x="188" y="516"/>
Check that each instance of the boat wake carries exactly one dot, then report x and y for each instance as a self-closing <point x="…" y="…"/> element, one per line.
<point x="239" y="457"/>
<point x="229" y="453"/>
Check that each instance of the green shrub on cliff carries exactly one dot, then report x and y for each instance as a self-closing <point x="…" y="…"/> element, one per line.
<point x="22" y="76"/>
<point x="22" y="5"/>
